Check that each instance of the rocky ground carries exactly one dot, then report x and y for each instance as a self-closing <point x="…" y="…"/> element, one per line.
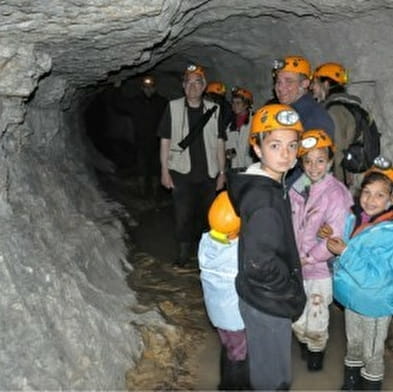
<point x="170" y="351"/>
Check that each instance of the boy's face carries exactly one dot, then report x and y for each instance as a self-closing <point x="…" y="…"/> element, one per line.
<point x="316" y="164"/>
<point x="319" y="90"/>
<point x="277" y="152"/>
<point x="375" y="198"/>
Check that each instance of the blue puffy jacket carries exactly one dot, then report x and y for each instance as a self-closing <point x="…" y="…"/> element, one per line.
<point x="218" y="265"/>
<point x="363" y="274"/>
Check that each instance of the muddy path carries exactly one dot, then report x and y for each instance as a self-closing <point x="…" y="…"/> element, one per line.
<point x="170" y="354"/>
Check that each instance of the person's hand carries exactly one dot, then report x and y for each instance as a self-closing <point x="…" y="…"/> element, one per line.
<point x="336" y="245"/>
<point x="325" y="231"/>
<point x="220" y="181"/>
<point x="303" y="261"/>
<point x="166" y="179"/>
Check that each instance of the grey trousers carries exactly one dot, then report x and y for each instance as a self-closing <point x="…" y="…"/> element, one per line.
<point x="269" y="348"/>
<point x="366" y="343"/>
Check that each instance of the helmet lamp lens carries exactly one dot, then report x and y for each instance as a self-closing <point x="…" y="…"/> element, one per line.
<point x="309" y="142"/>
<point x="287" y="117"/>
<point x="278" y="64"/>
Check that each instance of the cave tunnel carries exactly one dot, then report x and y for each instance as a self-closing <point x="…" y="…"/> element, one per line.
<point x="69" y="318"/>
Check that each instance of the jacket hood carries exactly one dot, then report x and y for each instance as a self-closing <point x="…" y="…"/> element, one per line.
<point x="240" y="186"/>
<point x="343" y="97"/>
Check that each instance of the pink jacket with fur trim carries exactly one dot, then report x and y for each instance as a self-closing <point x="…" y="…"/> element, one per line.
<point x="327" y="201"/>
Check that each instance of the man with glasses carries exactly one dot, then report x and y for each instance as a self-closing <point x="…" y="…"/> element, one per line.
<point x="192" y="159"/>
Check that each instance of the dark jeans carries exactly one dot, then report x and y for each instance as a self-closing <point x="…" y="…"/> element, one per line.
<point x="269" y="348"/>
<point x="191" y="201"/>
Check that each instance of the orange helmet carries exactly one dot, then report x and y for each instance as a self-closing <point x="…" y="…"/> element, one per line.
<point x="216" y="88"/>
<point x="223" y="221"/>
<point x="295" y="64"/>
<point x="243" y="93"/>
<point x="314" y="138"/>
<point x="382" y="165"/>
<point x="273" y="117"/>
<point x="194" y="69"/>
<point x="333" y="71"/>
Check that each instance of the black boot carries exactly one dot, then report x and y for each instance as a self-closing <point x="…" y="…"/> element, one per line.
<point x="368" y="385"/>
<point x="234" y="375"/>
<point x="351" y="378"/>
<point x="315" y="360"/>
<point x="303" y="351"/>
<point x="184" y="254"/>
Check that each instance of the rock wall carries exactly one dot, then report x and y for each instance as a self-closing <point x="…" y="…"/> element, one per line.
<point x="66" y="309"/>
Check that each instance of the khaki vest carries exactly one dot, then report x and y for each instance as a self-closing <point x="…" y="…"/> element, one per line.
<point x="179" y="160"/>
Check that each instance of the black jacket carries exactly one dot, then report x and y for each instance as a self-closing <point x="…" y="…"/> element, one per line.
<point x="269" y="277"/>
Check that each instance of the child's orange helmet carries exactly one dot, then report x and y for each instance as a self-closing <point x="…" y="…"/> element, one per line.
<point x="216" y="88"/>
<point x="314" y="138"/>
<point x="243" y="93"/>
<point x="382" y="165"/>
<point x="295" y="64"/>
<point x="333" y="71"/>
<point x="223" y="221"/>
<point x="273" y="117"/>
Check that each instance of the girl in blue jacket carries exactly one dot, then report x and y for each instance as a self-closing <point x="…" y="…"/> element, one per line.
<point x="363" y="280"/>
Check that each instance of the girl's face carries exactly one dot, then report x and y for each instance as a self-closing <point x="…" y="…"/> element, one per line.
<point x="375" y="198"/>
<point x="238" y="105"/>
<point x="316" y="164"/>
<point x="277" y="152"/>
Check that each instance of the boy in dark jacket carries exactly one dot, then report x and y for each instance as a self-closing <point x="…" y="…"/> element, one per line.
<point x="269" y="281"/>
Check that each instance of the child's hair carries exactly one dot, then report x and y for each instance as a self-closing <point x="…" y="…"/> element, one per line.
<point x="260" y="136"/>
<point x="377" y="176"/>
<point x="330" y="153"/>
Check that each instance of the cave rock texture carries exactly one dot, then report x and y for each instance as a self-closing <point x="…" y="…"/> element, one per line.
<point x="66" y="310"/>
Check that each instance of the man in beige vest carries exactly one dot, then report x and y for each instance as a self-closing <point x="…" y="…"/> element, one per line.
<point x="195" y="171"/>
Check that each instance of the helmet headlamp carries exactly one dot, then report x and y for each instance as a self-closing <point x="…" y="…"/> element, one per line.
<point x="148" y="81"/>
<point x="278" y="64"/>
<point x="382" y="163"/>
<point x="309" y="142"/>
<point x="191" y="68"/>
<point x="287" y="117"/>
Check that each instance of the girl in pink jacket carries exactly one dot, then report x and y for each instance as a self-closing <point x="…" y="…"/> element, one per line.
<point x="316" y="198"/>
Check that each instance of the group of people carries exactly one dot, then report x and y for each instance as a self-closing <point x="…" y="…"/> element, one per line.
<point x="290" y="229"/>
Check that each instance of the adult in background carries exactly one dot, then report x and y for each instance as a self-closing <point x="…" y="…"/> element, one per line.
<point x="328" y="87"/>
<point x="237" y="147"/>
<point x="192" y="159"/>
<point x="146" y="110"/>
<point x="216" y="92"/>
<point x="291" y="85"/>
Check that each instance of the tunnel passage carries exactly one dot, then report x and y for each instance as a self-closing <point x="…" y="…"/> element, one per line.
<point x="62" y="245"/>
